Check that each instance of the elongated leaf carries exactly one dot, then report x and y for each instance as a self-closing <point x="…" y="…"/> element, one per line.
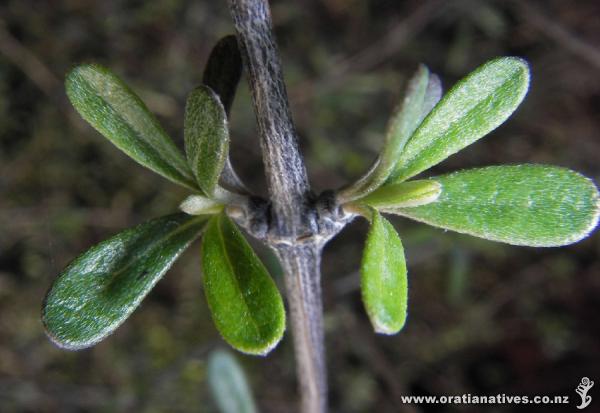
<point x="107" y="104"/>
<point x="475" y="106"/>
<point x="228" y="384"/>
<point x="245" y="303"/>
<point x="535" y="205"/>
<point x="403" y="195"/>
<point x="102" y="287"/>
<point x="206" y="137"/>
<point x="384" y="284"/>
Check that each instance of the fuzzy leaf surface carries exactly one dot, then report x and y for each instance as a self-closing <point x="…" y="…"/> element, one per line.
<point x="384" y="284"/>
<point x="206" y="137"/>
<point x="102" y="287"/>
<point x="111" y="107"/>
<point x="228" y="384"/>
<point x="475" y="106"/>
<point x="533" y="205"/>
<point x="245" y="303"/>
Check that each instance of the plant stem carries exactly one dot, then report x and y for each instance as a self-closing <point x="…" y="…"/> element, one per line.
<point x="303" y="285"/>
<point x="285" y="170"/>
<point x="298" y="225"/>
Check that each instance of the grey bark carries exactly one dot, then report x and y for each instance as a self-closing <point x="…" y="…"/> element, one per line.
<point x="286" y="174"/>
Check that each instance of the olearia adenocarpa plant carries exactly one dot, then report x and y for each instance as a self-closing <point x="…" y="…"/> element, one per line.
<point x="531" y="205"/>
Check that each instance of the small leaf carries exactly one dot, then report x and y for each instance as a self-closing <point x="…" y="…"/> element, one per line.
<point x="103" y="286"/>
<point x="384" y="283"/>
<point x="245" y="303"/>
<point x="200" y="205"/>
<point x="403" y="195"/>
<point x="534" y="205"/>
<point x="107" y="104"/>
<point x="228" y="384"/>
<point x="206" y="137"/>
<point x="475" y="106"/>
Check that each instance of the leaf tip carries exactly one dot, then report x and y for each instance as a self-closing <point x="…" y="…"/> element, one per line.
<point x="262" y="351"/>
<point x="387" y="329"/>
<point x="521" y="67"/>
<point x="587" y="230"/>
<point x="61" y="342"/>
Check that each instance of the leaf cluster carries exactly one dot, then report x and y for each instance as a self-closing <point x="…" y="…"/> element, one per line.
<point x="534" y="205"/>
<point x="103" y="286"/>
<point x="530" y="205"/>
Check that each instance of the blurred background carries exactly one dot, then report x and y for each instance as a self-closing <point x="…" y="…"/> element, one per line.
<point x="485" y="318"/>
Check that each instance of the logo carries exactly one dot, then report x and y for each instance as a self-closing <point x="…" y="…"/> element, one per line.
<point x="582" y="389"/>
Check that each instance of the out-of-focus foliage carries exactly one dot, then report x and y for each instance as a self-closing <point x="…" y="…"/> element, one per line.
<point x="228" y="384"/>
<point x="485" y="317"/>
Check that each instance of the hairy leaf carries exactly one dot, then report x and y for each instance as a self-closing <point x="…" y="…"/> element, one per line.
<point x="384" y="284"/>
<point x="228" y="384"/>
<point x="535" y="205"/>
<point x="475" y="106"/>
<point x="107" y="104"/>
<point x="206" y="137"/>
<point x="102" y="287"/>
<point x="404" y="194"/>
<point x="246" y="306"/>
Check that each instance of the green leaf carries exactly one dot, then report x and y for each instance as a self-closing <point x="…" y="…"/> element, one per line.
<point x="107" y="104"/>
<point x="384" y="283"/>
<point x="228" y="384"/>
<point x="245" y="303"/>
<point x="206" y="137"/>
<point x="534" y="205"/>
<point x="102" y="287"/>
<point x="475" y="106"/>
<point x="404" y="194"/>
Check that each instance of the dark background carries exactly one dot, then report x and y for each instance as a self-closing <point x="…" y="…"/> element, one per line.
<point x="485" y="318"/>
